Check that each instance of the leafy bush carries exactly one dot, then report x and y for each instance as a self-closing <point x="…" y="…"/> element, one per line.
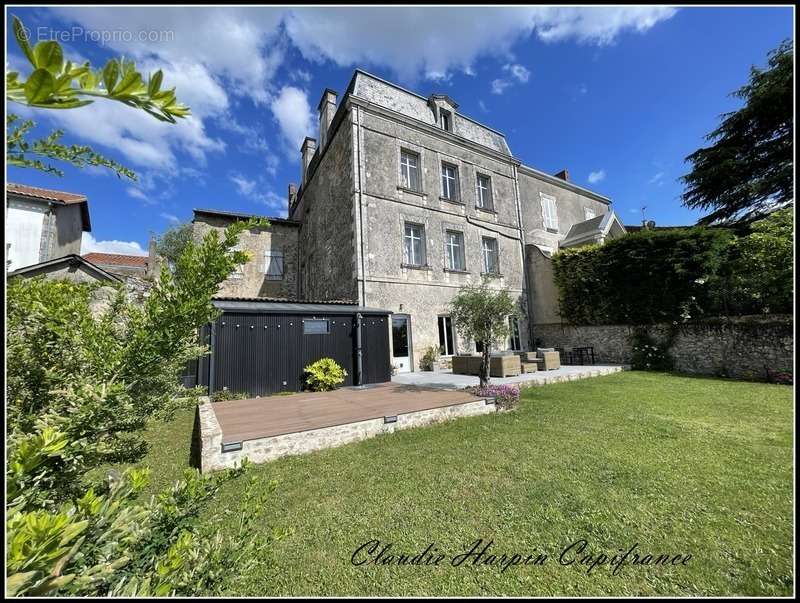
<point x="111" y="545"/>
<point x="324" y="375"/>
<point x="505" y="397"/>
<point x="647" y="354"/>
<point x="83" y="379"/>
<point x="226" y="394"/>
<point x="430" y="356"/>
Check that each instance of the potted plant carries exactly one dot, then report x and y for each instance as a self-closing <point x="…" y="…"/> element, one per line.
<point x="430" y="359"/>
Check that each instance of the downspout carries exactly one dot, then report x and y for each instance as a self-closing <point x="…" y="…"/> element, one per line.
<point x="359" y="373"/>
<point x="525" y="284"/>
<point x="211" y="358"/>
<point x="362" y="280"/>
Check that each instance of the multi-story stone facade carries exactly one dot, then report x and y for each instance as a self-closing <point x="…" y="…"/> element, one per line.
<point x="403" y="200"/>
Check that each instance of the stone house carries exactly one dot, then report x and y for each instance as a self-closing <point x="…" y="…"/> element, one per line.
<point x="402" y="201"/>
<point x="43" y="224"/>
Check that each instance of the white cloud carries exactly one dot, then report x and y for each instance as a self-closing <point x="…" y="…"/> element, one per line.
<point x="596" y="24"/>
<point x="89" y="244"/>
<point x="170" y="217"/>
<point x="483" y="107"/>
<point x="657" y="179"/>
<point x="138" y="193"/>
<point x="239" y="45"/>
<point x="499" y="86"/>
<point x="412" y="42"/>
<point x="520" y="72"/>
<point x="244" y="186"/>
<point x="256" y="191"/>
<point x="295" y="120"/>
<point x="300" y="75"/>
<point x="598" y="176"/>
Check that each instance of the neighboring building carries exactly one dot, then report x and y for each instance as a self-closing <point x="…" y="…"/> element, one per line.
<point x="121" y="264"/>
<point x="402" y="201"/>
<point x="272" y="270"/>
<point x="69" y="267"/>
<point x="43" y="224"/>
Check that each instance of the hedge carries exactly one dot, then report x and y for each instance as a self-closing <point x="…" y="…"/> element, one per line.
<point x="658" y="276"/>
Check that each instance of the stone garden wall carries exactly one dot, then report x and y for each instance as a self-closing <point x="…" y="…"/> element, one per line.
<point x="742" y="347"/>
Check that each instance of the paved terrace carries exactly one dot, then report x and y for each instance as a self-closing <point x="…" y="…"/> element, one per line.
<point x="445" y="379"/>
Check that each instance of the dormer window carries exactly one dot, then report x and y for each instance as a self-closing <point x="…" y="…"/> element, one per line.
<point x="446" y="120"/>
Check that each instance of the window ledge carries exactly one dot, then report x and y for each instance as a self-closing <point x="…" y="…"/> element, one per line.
<point x="492" y="274"/>
<point x="416" y="266"/>
<point x="453" y="201"/>
<point x="553" y="230"/>
<point x="486" y="210"/>
<point x="457" y="271"/>
<point x="411" y="191"/>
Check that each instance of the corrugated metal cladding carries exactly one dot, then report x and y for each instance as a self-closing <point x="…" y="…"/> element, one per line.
<point x="265" y="352"/>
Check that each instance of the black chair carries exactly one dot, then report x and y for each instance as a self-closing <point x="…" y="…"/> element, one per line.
<point x="583" y="355"/>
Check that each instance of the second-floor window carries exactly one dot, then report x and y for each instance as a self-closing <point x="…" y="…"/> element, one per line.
<point x="449" y="182"/>
<point x="414" y="244"/>
<point x="273" y="265"/>
<point x="409" y="170"/>
<point x="549" y="215"/>
<point x="485" y="192"/>
<point x="454" y="250"/>
<point x="489" y="253"/>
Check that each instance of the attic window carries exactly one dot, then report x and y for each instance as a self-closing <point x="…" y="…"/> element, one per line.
<point x="446" y="120"/>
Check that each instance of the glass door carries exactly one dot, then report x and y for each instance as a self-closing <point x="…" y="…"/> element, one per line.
<point x="401" y="338"/>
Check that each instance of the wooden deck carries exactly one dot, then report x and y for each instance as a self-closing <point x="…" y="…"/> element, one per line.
<point x="255" y="418"/>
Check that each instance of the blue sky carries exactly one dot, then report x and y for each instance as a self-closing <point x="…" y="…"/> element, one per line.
<point x="618" y="96"/>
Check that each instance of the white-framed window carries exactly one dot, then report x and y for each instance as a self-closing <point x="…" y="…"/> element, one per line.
<point x="414" y="244"/>
<point x="449" y="182"/>
<point x="446" y="120"/>
<point x="446" y="338"/>
<point x="454" y="250"/>
<point x="491" y="264"/>
<point x="514" y="340"/>
<point x="273" y="265"/>
<point x="588" y="213"/>
<point x="549" y="215"/>
<point x="484" y="184"/>
<point x="238" y="270"/>
<point x="409" y="170"/>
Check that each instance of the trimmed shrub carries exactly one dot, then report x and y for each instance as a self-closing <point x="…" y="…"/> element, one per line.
<point x="671" y="276"/>
<point x="324" y="375"/>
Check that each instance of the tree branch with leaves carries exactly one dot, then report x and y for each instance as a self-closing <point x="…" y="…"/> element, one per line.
<point x="56" y="83"/>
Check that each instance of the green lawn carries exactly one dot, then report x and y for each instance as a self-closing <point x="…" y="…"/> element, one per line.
<point x="678" y="465"/>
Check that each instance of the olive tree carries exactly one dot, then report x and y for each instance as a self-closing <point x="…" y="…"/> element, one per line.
<point x="481" y="314"/>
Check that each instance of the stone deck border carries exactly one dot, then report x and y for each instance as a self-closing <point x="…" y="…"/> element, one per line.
<point x="262" y="450"/>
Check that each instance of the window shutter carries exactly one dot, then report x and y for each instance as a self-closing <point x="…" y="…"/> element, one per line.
<point x="273" y="263"/>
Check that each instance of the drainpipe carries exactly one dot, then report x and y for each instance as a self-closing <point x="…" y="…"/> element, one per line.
<point x="211" y="358"/>
<point x="525" y="283"/>
<point x="359" y="374"/>
<point x="362" y="282"/>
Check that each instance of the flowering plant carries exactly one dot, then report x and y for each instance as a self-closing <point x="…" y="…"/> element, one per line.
<point x="505" y="396"/>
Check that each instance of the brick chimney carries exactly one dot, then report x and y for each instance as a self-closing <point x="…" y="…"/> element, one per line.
<point x="563" y="174"/>
<point x="326" y="109"/>
<point x="307" y="152"/>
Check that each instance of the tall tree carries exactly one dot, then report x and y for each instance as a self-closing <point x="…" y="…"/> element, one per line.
<point x="747" y="170"/>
